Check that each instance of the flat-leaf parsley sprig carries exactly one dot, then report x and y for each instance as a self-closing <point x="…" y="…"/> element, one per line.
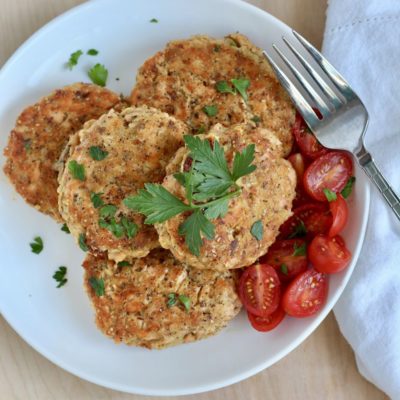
<point x="209" y="185"/>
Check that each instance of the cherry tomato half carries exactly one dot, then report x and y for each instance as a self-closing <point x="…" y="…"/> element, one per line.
<point x="259" y="289"/>
<point x="306" y="294"/>
<point x="340" y="213"/>
<point x="329" y="255"/>
<point x="265" y="324"/>
<point x="288" y="257"/>
<point x="307" y="220"/>
<point x="305" y="139"/>
<point x="330" y="171"/>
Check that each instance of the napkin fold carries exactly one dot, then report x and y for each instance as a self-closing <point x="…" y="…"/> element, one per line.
<point x="362" y="40"/>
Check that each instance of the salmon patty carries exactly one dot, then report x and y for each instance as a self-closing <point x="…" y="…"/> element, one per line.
<point x="40" y="134"/>
<point x="104" y="162"/>
<point x="156" y="302"/>
<point x="189" y="75"/>
<point x="266" y="199"/>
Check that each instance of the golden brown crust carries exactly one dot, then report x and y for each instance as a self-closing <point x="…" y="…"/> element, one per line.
<point x="40" y="134"/>
<point x="181" y="80"/>
<point x="140" y="142"/>
<point x="134" y="307"/>
<point x="267" y="196"/>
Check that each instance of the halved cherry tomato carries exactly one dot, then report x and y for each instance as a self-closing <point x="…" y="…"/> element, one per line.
<point x="307" y="142"/>
<point x="307" y="220"/>
<point x="329" y="255"/>
<point x="288" y="257"/>
<point x="265" y="324"/>
<point x="340" y="213"/>
<point x="330" y="171"/>
<point x="297" y="161"/>
<point x="259" y="289"/>
<point x="306" y="294"/>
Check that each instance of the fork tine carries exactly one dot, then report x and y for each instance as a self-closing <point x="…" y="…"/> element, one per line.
<point x="300" y="102"/>
<point x="329" y="93"/>
<point x="332" y="73"/>
<point x="320" y="103"/>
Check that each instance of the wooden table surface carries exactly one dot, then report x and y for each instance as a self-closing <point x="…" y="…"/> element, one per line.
<point x="323" y="367"/>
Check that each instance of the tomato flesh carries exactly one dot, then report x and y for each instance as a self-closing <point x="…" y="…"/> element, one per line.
<point x="306" y="294"/>
<point x="314" y="217"/>
<point x="259" y="289"/>
<point x="288" y="262"/>
<point x="305" y="139"/>
<point x="340" y="214"/>
<point x="330" y="171"/>
<point x="329" y="255"/>
<point x="265" y="324"/>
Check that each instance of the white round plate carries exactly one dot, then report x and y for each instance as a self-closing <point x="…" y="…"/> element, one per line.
<point x="59" y="323"/>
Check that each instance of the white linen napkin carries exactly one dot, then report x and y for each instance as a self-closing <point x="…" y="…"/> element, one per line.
<point x="362" y="40"/>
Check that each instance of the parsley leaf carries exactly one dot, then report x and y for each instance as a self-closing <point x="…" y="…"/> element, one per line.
<point x="59" y="276"/>
<point x="241" y="85"/>
<point x="346" y="192"/>
<point x="217" y="210"/>
<point x="185" y="301"/>
<point x="123" y="264"/>
<point x="97" y="285"/>
<point x="65" y="228"/>
<point x="73" y="59"/>
<point x="37" y="245"/>
<point x="92" y="52"/>
<point x="113" y="226"/>
<point x="154" y="20"/>
<point x="211" y="111"/>
<point x="82" y="242"/>
<point x="156" y="203"/>
<point x="98" y="75"/>
<point x="329" y="194"/>
<point x="299" y="230"/>
<point x="257" y="230"/>
<point x="108" y="210"/>
<point x="131" y="228"/>
<point x="76" y="170"/>
<point x="172" y="300"/>
<point x="284" y="269"/>
<point x="242" y="162"/>
<point x="299" y="250"/>
<point x="97" y="153"/>
<point x="192" y="228"/>
<point x="224" y="87"/>
<point x="97" y="201"/>
<point x="256" y="119"/>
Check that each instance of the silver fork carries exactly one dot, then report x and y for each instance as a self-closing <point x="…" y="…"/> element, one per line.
<point x="343" y="119"/>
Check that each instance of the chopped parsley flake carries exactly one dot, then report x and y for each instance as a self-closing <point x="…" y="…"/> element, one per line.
<point x="97" y="153"/>
<point x="73" y="59"/>
<point x="257" y="230"/>
<point x="330" y="195"/>
<point x="108" y="210"/>
<point x="185" y="301"/>
<point x="97" y="284"/>
<point x="346" y="192"/>
<point x="37" y="245"/>
<point x="284" y="269"/>
<point x="224" y="87"/>
<point x="299" y="250"/>
<point x="131" y="228"/>
<point x="76" y="170"/>
<point x="211" y="111"/>
<point x="300" y="230"/>
<point x="241" y="85"/>
<point x="82" y="242"/>
<point x="98" y="75"/>
<point x="59" y="276"/>
<point x="256" y="119"/>
<point x="97" y="201"/>
<point x="173" y="299"/>
<point x="123" y="264"/>
<point x="92" y="52"/>
<point x="27" y="144"/>
<point x="65" y="228"/>
<point x="154" y="21"/>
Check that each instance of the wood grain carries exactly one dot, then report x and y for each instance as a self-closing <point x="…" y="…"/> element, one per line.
<point x="323" y="367"/>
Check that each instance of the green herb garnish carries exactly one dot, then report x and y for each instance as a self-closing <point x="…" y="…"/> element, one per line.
<point x="284" y="269"/>
<point x="241" y="85"/>
<point x="172" y="300"/>
<point x="209" y="185"/>
<point x="346" y="192"/>
<point x="59" y="276"/>
<point x="224" y="87"/>
<point x="257" y="230"/>
<point x="65" y="228"/>
<point x="131" y="228"/>
<point x="97" y="285"/>
<point x="97" y="201"/>
<point x="256" y="119"/>
<point x="37" y="245"/>
<point x="329" y="194"/>
<point x="211" y="111"/>
<point x="76" y="170"/>
<point x="300" y="230"/>
<point x="73" y="59"/>
<point x="185" y="301"/>
<point x="123" y="264"/>
<point x="108" y="210"/>
<point x="154" y="20"/>
<point x="92" y="52"/>
<point x="299" y="250"/>
<point x="98" y="75"/>
<point x="82" y="242"/>
<point x="27" y="144"/>
<point x="97" y="153"/>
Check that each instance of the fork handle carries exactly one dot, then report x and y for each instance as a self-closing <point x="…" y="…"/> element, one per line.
<point x="368" y="165"/>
